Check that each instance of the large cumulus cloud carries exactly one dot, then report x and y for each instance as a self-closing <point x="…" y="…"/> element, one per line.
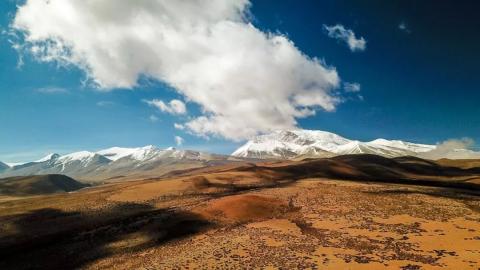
<point x="246" y="81"/>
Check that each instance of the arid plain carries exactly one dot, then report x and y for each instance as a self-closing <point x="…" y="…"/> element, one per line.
<point x="347" y="212"/>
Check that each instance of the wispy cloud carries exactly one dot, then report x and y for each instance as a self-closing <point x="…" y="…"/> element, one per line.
<point x="179" y="126"/>
<point x="175" y="106"/>
<point x="153" y="118"/>
<point x="339" y="32"/>
<point x="351" y="87"/>
<point x="105" y="103"/>
<point x="52" y="90"/>
<point x="179" y="140"/>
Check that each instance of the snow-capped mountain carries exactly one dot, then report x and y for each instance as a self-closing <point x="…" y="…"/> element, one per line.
<point x="140" y="153"/>
<point x="112" y="162"/>
<point x="78" y="162"/>
<point x="151" y="153"/>
<point x="287" y="144"/>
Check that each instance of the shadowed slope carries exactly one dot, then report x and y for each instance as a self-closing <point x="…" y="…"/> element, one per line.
<point x="407" y="170"/>
<point x="461" y="163"/>
<point x="38" y="185"/>
<point x="53" y="239"/>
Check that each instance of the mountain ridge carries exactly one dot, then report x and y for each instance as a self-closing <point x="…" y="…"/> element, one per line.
<point x="288" y="144"/>
<point x="121" y="163"/>
<point x="113" y="162"/>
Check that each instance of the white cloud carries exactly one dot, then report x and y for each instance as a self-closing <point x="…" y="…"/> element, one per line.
<point x="179" y="140"/>
<point x="453" y="149"/>
<point x="339" y="32"/>
<point x="105" y="103"/>
<point x="403" y="27"/>
<point x="245" y="81"/>
<point x="52" y="90"/>
<point x="153" y="118"/>
<point x="179" y="126"/>
<point x="351" y="87"/>
<point x="175" y="106"/>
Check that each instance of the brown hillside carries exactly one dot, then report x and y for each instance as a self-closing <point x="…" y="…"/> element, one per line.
<point x="38" y="185"/>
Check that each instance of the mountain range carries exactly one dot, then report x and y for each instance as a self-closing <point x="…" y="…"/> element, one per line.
<point x="118" y="163"/>
<point x="115" y="162"/>
<point x="290" y="144"/>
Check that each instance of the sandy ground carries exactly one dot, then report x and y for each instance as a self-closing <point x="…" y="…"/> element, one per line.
<point x="325" y="225"/>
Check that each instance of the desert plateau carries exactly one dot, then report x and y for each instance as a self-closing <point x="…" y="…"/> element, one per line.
<point x="347" y="212"/>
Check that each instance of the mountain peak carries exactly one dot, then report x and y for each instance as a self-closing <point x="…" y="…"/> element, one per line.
<point x="116" y="153"/>
<point x="149" y="147"/>
<point x="81" y="155"/>
<point x="49" y="157"/>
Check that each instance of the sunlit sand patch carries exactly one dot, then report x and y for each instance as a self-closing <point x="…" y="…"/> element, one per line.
<point x="457" y="242"/>
<point x="342" y="258"/>
<point x="398" y="219"/>
<point x="331" y="224"/>
<point x="12" y="198"/>
<point x="372" y="234"/>
<point x="129" y="241"/>
<point x="332" y="258"/>
<point x="241" y="239"/>
<point x="272" y="242"/>
<point x="340" y="183"/>
<point x="240" y="178"/>
<point x="148" y="191"/>
<point x="283" y="225"/>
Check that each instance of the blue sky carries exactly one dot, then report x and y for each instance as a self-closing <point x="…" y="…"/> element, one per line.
<point x="418" y="84"/>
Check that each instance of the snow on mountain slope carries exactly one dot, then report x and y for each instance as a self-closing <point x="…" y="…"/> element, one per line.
<point x="82" y="156"/>
<point x="44" y="159"/>
<point x="150" y="153"/>
<point x="289" y="143"/>
<point x="112" y="162"/>
<point x="48" y="157"/>
<point x="138" y="153"/>
<point x="293" y="143"/>
<point x="414" y="147"/>
<point x="79" y="161"/>
<point x="13" y="164"/>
